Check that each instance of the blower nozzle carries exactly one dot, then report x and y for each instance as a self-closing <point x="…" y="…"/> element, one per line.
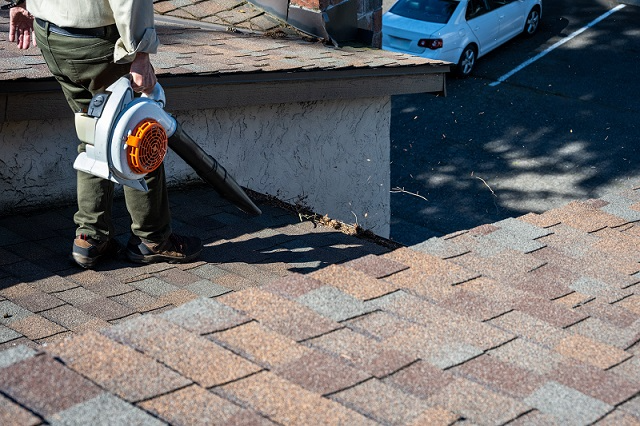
<point x="127" y="137"/>
<point x="211" y="171"/>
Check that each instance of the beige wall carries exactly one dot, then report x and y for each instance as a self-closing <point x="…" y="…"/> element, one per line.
<point x="334" y="155"/>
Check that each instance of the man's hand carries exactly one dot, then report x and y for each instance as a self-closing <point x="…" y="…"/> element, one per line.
<point x="21" y="27"/>
<point x="143" y="76"/>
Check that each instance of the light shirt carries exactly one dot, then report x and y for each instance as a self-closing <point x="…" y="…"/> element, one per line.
<point x="134" y="19"/>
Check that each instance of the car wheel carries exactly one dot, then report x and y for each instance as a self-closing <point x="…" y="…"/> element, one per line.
<point x="466" y="62"/>
<point x="532" y="22"/>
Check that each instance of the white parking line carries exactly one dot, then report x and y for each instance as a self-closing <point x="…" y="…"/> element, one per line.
<point x="557" y="44"/>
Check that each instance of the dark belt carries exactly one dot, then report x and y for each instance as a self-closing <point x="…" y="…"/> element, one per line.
<point x="75" y="32"/>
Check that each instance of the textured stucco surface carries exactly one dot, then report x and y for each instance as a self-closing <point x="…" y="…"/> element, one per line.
<point x="331" y="156"/>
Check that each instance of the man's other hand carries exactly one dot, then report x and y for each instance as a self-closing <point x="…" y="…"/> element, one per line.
<point x="21" y="27"/>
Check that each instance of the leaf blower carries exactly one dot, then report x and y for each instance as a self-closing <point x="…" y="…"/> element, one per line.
<point x="127" y="137"/>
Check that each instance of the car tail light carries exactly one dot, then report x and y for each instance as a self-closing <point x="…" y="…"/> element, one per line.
<point x="431" y="43"/>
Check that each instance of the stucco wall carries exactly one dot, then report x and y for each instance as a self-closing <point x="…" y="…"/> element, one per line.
<point x="332" y="155"/>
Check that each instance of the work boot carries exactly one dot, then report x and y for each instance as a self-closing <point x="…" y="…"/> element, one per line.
<point x="175" y="249"/>
<point x="88" y="251"/>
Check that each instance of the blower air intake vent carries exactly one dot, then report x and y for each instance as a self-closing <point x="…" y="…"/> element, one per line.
<point x="146" y="146"/>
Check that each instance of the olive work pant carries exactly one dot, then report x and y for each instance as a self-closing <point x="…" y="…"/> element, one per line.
<point x="83" y="67"/>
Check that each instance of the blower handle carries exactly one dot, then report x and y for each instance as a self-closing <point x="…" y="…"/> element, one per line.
<point x="157" y="94"/>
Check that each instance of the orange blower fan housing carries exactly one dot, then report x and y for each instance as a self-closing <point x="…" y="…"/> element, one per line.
<point x="147" y="146"/>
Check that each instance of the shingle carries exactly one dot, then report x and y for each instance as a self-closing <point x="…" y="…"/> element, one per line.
<point x="293" y="286"/>
<point x="452" y="327"/>
<point x="52" y="284"/>
<point x="441" y="247"/>
<point x="531" y="328"/>
<point x="205" y="316"/>
<point x="177" y="297"/>
<point x="99" y="283"/>
<point x="591" y="352"/>
<point x="320" y="373"/>
<point x="433" y="345"/>
<point x="260" y="345"/>
<point x="117" y="368"/>
<point x="378" y="324"/>
<point x="620" y="206"/>
<point x="193" y="356"/>
<point x="153" y="286"/>
<point x="333" y="303"/>
<point x="206" y="288"/>
<point x="500" y="376"/>
<point x="582" y="216"/>
<point x="535" y="418"/>
<point x="477" y="403"/>
<point x="353" y="282"/>
<point x="287" y="403"/>
<point x="45" y="386"/>
<point x="77" y="296"/>
<point x="631" y="303"/>
<point x="435" y="416"/>
<point x="418" y="283"/>
<point x="607" y="333"/>
<point x="599" y="289"/>
<point x="31" y="298"/>
<point x="493" y="289"/>
<point x="570" y="241"/>
<point x="606" y="386"/>
<point x="439" y="270"/>
<point x="420" y="379"/>
<point x="567" y="405"/>
<point x="548" y="281"/>
<point x="106" y="309"/>
<point x="375" y="266"/>
<point x="36" y="327"/>
<point x="12" y="413"/>
<point x="553" y="313"/>
<point x="502" y="266"/>
<point x="629" y="369"/>
<point x="475" y="305"/>
<point x="177" y="277"/>
<point x="279" y="314"/>
<point x="16" y="354"/>
<point x="138" y="301"/>
<point x="10" y="312"/>
<point x="618" y="418"/>
<point x="528" y="356"/>
<point x="7" y="334"/>
<point x="104" y="409"/>
<point x="195" y="405"/>
<point x="507" y="238"/>
<point x="632" y="407"/>
<point x="382" y="402"/>
<point x="361" y="352"/>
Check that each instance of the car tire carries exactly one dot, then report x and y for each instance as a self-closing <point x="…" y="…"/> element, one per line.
<point x="467" y="61"/>
<point x="532" y="23"/>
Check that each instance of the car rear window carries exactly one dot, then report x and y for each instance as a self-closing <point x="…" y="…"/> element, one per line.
<point x="438" y="11"/>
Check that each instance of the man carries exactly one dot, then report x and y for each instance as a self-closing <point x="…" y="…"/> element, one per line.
<point x="88" y="46"/>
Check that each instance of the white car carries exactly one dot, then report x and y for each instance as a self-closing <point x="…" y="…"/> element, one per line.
<point x="457" y="31"/>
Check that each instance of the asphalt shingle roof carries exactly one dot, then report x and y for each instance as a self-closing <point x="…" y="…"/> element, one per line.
<point x="530" y="320"/>
<point x="533" y="319"/>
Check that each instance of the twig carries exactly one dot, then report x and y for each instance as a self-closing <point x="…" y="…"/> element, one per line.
<point x="397" y="190"/>
<point x="487" y="185"/>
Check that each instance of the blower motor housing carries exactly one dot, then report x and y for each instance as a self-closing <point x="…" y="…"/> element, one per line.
<point x="126" y="137"/>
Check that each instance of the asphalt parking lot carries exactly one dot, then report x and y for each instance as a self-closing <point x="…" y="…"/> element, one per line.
<point x="563" y="128"/>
